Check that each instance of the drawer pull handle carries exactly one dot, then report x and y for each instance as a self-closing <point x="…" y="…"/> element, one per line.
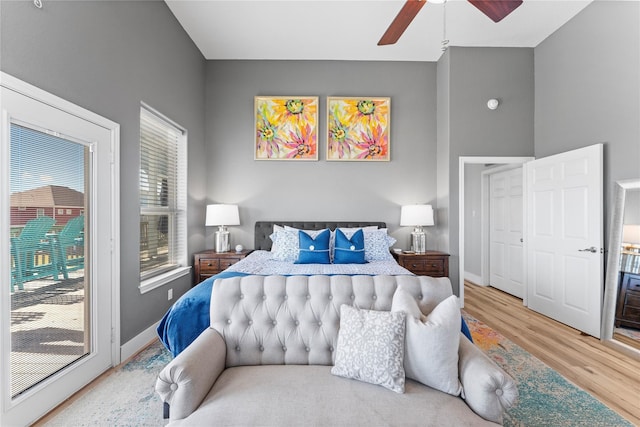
<point x="209" y="265"/>
<point x="434" y="265"/>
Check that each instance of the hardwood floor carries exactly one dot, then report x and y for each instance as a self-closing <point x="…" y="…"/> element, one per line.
<point x="610" y="376"/>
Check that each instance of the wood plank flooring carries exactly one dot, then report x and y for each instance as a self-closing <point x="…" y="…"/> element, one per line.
<point x="609" y="375"/>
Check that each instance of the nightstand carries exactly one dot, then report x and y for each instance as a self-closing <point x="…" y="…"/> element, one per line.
<point x="431" y="263"/>
<point x="209" y="262"/>
<point x="628" y="307"/>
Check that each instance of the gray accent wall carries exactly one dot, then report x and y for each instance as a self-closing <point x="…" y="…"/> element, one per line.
<point x="107" y="56"/>
<point x="578" y="87"/>
<point x="474" y="76"/>
<point x="473" y="219"/>
<point x="587" y="88"/>
<point x="320" y="190"/>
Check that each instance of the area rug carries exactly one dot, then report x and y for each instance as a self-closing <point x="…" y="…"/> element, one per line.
<point x="546" y="397"/>
<point x="127" y="397"/>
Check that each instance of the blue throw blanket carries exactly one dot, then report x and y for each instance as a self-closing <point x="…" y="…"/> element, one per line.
<point x="189" y="316"/>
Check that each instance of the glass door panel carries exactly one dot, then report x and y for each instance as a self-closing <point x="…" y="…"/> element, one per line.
<point x="49" y="238"/>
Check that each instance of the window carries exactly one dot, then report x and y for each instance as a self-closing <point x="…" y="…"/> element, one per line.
<point x="163" y="199"/>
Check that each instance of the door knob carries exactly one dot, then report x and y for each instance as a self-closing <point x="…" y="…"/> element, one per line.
<point x="592" y="249"/>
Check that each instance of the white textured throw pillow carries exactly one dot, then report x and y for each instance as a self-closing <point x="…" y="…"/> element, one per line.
<point x="371" y="347"/>
<point x="431" y="342"/>
<point x="285" y="246"/>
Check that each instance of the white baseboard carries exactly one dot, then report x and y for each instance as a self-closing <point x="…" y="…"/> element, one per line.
<point x="473" y="278"/>
<point x="138" y="342"/>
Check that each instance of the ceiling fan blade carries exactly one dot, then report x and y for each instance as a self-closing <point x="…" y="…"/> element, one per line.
<point x="496" y="9"/>
<point x="401" y="21"/>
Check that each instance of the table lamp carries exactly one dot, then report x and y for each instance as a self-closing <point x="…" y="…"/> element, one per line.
<point x="222" y="215"/>
<point x="417" y="216"/>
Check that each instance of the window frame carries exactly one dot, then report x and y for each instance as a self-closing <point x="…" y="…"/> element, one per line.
<point x="177" y="214"/>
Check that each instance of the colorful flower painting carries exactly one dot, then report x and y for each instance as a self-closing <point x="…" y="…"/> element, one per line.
<point x="358" y="128"/>
<point x="286" y="128"/>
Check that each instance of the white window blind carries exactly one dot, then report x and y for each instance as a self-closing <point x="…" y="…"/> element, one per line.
<point x="163" y="194"/>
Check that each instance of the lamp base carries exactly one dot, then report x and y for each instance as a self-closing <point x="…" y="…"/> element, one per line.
<point x="222" y="240"/>
<point x="419" y="240"/>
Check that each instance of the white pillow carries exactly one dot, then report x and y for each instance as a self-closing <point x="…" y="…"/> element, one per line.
<point x="348" y="232"/>
<point x="312" y="233"/>
<point x="431" y="342"/>
<point x="286" y="246"/>
<point x="377" y="244"/>
<point x="371" y="347"/>
<point x="272" y="236"/>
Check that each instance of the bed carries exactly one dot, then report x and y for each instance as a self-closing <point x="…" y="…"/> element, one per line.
<point x="189" y="315"/>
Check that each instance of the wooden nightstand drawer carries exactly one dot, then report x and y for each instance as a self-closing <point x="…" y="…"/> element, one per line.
<point x="228" y="262"/>
<point x="631" y="313"/>
<point x="431" y="263"/>
<point x="628" y="304"/>
<point x="632" y="300"/>
<point x="209" y="266"/>
<point x="209" y="263"/>
<point x="633" y="283"/>
<point x="416" y="264"/>
<point x="434" y="266"/>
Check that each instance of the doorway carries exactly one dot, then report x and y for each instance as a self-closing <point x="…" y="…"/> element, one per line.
<point x="58" y="257"/>
<point x="466" y="166"/>
<point x="563" y="269"/>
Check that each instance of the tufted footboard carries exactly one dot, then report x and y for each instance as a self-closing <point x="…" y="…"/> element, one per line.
<point x="294" y="320"/>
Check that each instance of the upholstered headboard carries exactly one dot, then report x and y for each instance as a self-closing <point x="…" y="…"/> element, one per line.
<point x="263" y="229"/>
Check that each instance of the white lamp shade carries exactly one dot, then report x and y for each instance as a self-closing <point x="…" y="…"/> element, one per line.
<point x="416" y="215"/>
<point x="222" y="215"/>
<point x="631" y="234"/>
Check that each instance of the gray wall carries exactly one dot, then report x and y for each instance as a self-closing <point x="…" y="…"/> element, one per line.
<point x="472" y="218"/>
<point x="475" y="76"/>
<point x="588" y="89"/>
<point x="107" y="57"/>
<point x="322" y="190"/>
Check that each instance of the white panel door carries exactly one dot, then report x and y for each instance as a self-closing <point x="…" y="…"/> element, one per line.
<point x="564" y="232"/>
<point x="505" y="233"/>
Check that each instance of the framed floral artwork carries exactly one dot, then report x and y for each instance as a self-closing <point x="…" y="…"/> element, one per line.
<point x="286" y="128"/>
<point x="358" y="129"/>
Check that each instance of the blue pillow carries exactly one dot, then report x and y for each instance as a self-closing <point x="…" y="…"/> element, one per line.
<point x="349" y="251"/>
<point x="314" y="251"/>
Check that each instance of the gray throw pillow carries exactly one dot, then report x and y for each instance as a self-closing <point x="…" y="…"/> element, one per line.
<point x="371" y="347"/>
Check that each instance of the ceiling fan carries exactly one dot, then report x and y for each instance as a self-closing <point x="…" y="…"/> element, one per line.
<point x="494" y="9"/>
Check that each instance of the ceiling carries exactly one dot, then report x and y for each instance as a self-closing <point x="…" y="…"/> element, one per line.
<point x="350" y="29"/>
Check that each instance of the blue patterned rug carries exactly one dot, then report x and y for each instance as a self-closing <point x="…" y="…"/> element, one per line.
<point x="127" y="397"/>
<point x="546" y="397"/>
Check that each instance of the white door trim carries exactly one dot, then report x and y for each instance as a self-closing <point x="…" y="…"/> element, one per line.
<point x="462" y="160"/>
